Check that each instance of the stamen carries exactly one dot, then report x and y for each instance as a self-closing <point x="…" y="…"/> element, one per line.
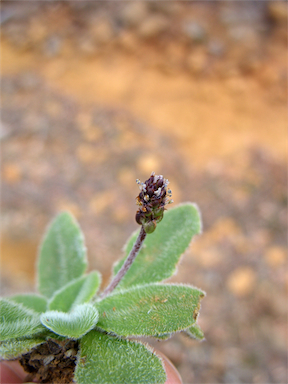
<point x="156" y="177"/>
<point x="157" y="193"/>
<point x="146" y="198"/>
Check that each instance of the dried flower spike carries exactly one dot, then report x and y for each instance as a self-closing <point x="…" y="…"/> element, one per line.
<point x="152" y="199"/>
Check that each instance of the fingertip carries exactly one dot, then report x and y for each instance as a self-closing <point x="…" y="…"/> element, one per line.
<point x="10" y="373"/>
<point x="173" y="376"/>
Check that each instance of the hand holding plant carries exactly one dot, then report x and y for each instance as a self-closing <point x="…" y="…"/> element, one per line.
<point x="72" y="333"/>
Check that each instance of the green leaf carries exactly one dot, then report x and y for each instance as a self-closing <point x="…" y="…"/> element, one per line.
<point x="17" y="321"/>
<point x="78" y="291"/>
<point x="62" y="255"/>
<point x="105" y="359"/>
<point x="11" y="349"/>
<point x="149" y="310"/>
<point x="195" y="332"/>
<point x="47" y="334"/>
<point x="73" y="324"/>
<point x="30" y="300"/>
<point x="162" y="249"/>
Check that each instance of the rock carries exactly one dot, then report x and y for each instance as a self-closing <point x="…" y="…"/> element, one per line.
<point x="128" y="41"/>
<point x="17" y="35"/>
<point x="102" y="201"/>
<point x="88" y="46"/>
<point x="54" y="108"/>
<point x="148" y="163"/>
<point x="125" y="176"/>
<point x="38" y="31"/>
<point x="5" y="132"/>
<point x="133" y="13"/>
<point x="194" y="31"/>
<point x="84" y="120"/>
<point x="79" y="5"/>
<point x="102" y="31"/>
<point x="174" y="351"/>
<point x="175" y="51"/>
<point x="241" y="282"/>
<point x="153" y="26"/>
<point x="245" y="35"/>
<point x="87" y="154"/>
<point x="236" y="84"/>
<point x="8" y="86"/>
<point x="278" y="11"/>
<point x="269" y="76"/>
<point x="67" y="205"/>
<point x="6" y="15"/>
<point x="172" y="62"/>
<point x="210" y="257"/>
<point x="122" y="214"/>
<point x="93" y="134"/>
<point x="197" y="62"/>
<point x="216" y="48"/>
<point x="275" y="256"/>
<point x="52" y="46"/>
<point x="250" y="65"/>
<point x="11" y="173"/>
<point x="34" y="122"/>
<point x="236" y="13"/>
<point x="29" y="81"/>
<point x="170" y="8"/>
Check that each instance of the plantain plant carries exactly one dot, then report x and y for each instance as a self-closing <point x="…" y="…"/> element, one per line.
<point x="71" y="332"/>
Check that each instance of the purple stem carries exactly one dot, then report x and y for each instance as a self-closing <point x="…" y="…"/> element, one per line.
<point x="127" y="264"/>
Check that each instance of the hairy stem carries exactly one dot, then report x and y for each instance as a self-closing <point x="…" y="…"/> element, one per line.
<point x="127" y="264"/>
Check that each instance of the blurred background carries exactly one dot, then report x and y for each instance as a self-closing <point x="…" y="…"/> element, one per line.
<point x="97" y="94"/>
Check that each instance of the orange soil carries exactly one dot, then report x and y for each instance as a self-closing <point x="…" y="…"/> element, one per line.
<point x="208" y="118"/>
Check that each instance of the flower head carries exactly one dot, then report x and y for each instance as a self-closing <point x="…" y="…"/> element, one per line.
<point x="154" y="195"/>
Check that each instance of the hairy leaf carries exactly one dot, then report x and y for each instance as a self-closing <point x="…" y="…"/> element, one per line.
<point x="149" y="310"/>
<point x="11" y="349"/>
<point x="195" y="332"/>
<point x="78" y="291"/>
<point x="73" y="324"/>
<point x="17" y="321"/>
<point x="30" y="300"/>
<point x="162" y="249"/>
<point x="105" y="359"/>
<point x="62" y="255"/>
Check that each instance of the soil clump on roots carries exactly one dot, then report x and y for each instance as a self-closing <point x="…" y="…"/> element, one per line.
<point x="51" y="362"/>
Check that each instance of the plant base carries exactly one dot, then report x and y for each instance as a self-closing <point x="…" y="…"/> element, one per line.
<point x="51" y="362"/>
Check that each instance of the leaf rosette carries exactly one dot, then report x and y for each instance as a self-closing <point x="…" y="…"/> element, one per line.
<point x="70" y="322"/>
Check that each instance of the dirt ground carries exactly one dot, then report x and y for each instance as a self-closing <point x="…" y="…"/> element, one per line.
<point x="97" y="94"/>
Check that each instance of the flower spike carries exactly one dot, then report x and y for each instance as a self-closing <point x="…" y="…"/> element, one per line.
<point x="153" y="197"/>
